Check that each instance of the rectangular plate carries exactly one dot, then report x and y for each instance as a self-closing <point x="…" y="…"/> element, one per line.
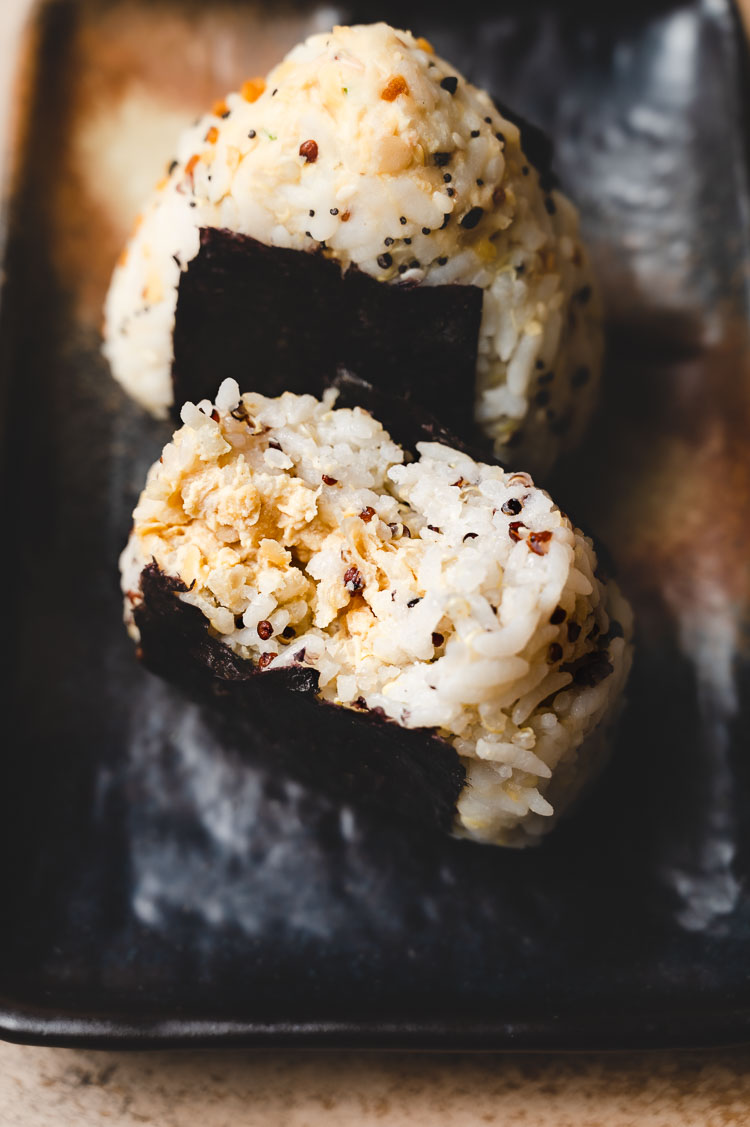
<point x="162" y="885"/>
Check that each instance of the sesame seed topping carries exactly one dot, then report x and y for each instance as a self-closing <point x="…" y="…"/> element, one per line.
<point x="309" y="150"/>
<point x="425" y="230"/>
<point x="441" y="159"/>
<point x="447" y="177"/>
<point x="312" y="212"/>
<point x="480" y="183"/>
<point x="500" y="137"/>
<point x="385" y="260"/>
<point x="450" y="192"/>
<point x="252" y="134"/>
<point x="475" y="133"/>
<point x="450" y="84"/>
<point x="402" y="220"/>
<point x="538" y="542"/>
<point x="472" y="217"/>
<point x="388" y="241"/>
<point x="171" y="168"/>
<point x="488" y="120"/>
<point x="511" y="507"/>
<point x="413" y="602"/>
<point x="353" y="580"/>
<point x="334" y="211"/>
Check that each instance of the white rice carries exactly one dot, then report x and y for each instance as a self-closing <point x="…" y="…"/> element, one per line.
<point x="449" y="593"/>
<point x="387" y="176"/>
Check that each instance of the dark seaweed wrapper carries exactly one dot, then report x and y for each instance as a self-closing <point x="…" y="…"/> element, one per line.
<point x="281" y="320"/>
<point x="354" y="754"/>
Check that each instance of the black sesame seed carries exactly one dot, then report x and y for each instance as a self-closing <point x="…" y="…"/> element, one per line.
<point x="402" y="220"/>
<point x="469" y="536"/>
<point x="540" y="364"/>
<point x="413" y="602"/>
<point x="442" y="260"/>
<point x="500" y="137"/>
<point x="450" y="84"/>
<point x="402" y="269"/>
<point x="450" y="192"/>
<point x="226" y="114"/>
<point x="334" y="211"/>
<point x="475" y="132"/>
<point x="558" y="615"/>
<point x="414" y="265"/>
<point x="274" y="92"/>
<point x="488" y="120"/>
<point x="549" y="203"/>
<point x="425" y="230"/>
<point x="193" y="203"/>
<point x="511" y="507"/>
<point x="407" y="242"/>
<point x="472" y="217"/>
<point x="441" y="159"/>
<point x="311" y="213"/>
<point x="172" y="167"/>
<point x="580" y="376"/>
<point x="385" y="260"/>
<point x="480" y="183"/>
<point x="309" y="234"/>
<point x="447" y="177"/>
<point x="252" y="134"/>
<point x="388" y="242"/>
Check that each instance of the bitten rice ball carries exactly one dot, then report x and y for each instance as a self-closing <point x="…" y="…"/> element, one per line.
<point x="365" y="147"/>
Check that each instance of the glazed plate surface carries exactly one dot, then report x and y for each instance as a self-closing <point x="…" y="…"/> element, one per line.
<point x="166" y="883"/>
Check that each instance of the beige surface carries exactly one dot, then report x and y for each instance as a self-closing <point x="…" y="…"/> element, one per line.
<point x="56" y="1087"/>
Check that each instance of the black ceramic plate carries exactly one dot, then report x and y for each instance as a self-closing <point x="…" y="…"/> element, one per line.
<point x="164" y="883"/>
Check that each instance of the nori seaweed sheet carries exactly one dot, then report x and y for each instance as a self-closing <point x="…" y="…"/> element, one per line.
<point x="281" y="320"/>
<point x="356" y="755"/>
